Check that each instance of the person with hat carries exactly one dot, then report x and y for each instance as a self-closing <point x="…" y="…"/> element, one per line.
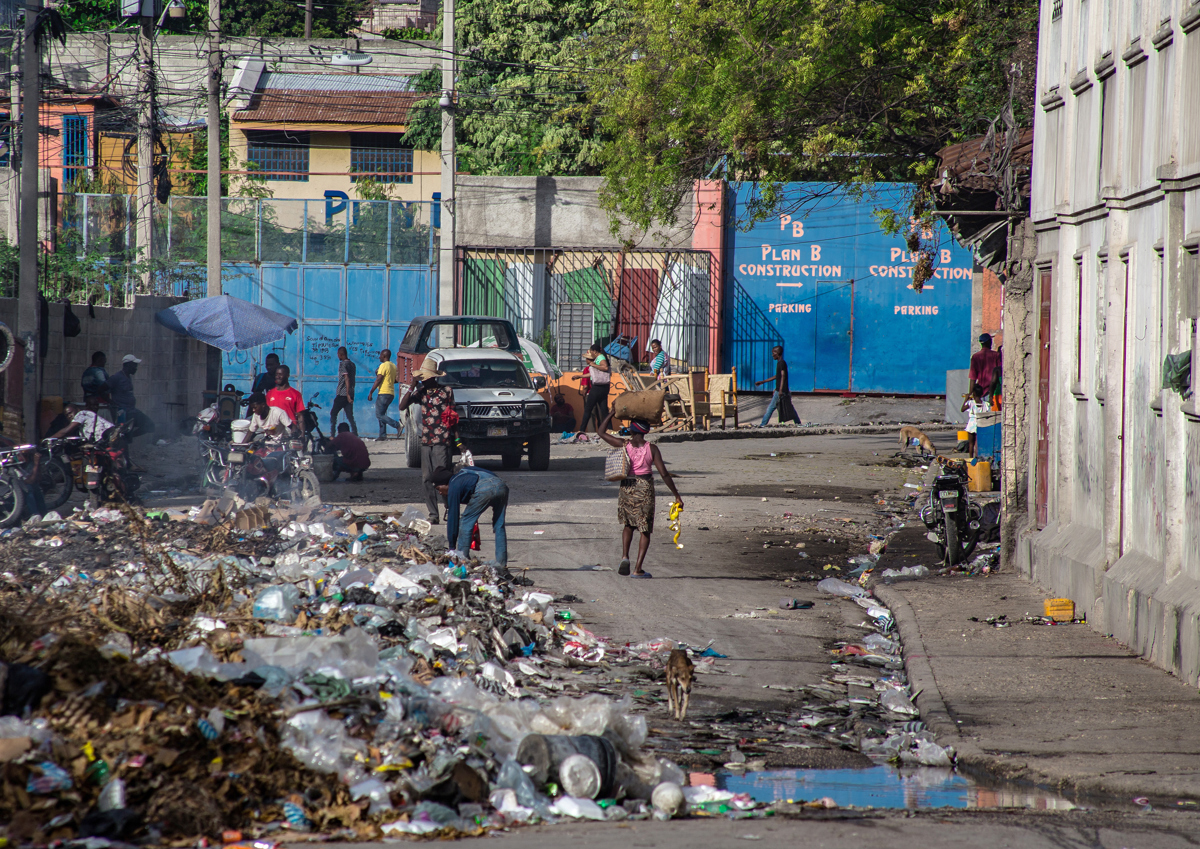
<point x="385" y="385"/>
<point x="438" y="420"/>
<point x="635" y="503"/>
<point x="985" y="366"/>
<point x="473" y="490"/>
<point x="120" y="390"/>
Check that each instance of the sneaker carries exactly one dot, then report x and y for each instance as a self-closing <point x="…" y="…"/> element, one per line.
<point x="381" y="439"/>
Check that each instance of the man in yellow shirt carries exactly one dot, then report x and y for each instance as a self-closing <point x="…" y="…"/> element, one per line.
<point x="385" y="385"/>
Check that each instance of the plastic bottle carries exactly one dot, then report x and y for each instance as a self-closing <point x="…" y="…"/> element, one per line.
<point x="476" y="540"/>
<point x="580" y="777"/>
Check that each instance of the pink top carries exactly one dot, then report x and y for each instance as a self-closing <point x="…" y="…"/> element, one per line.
<point x="640" y="459"/>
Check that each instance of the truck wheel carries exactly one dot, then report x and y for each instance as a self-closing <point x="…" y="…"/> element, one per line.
<point x="539" y="453"/>
<point x="412" y="443"/>
<point x="510" y="460"/>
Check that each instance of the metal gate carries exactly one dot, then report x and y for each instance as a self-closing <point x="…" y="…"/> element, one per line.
<point x="645" y="293"/>
<point x="364" y="307"/>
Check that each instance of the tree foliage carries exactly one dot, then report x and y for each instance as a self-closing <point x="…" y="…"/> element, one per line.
<point x="847" y="91"/>
<point x="522" y="87"/>
<point x="238" y="17"/>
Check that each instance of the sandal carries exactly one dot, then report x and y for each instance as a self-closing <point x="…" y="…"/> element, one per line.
<point x="641" y="575"/>
<point x="623" y="569"/>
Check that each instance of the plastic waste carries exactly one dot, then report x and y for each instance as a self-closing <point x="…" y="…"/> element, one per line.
<point x="579" y="776"/>
<point x="569" y="806"/>
<point x="667" y="798"/>
<point x="906" y="574"/>
<point x="112" y="797"/>
<point x="898" y="702"/>
<point x="376" y="791"/>
<point x="353" y="654"/>
<point x="835" y="587"/>
<point x="277" y="603"/>
<point x="546" y="753"/>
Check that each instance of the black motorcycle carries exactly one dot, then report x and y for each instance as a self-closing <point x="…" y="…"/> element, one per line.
<point x="952" y="520"/>
<point x="259" y="469"/>
<point x="315" y="441"/>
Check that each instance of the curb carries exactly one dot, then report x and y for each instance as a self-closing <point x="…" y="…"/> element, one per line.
<point x="778" y="432"/>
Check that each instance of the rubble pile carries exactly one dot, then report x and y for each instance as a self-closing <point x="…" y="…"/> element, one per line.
<point x="323" y="673"/>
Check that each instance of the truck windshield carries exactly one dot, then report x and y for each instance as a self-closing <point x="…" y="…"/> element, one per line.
<point x="491" y="335"/>
<point x="488" y="374"/>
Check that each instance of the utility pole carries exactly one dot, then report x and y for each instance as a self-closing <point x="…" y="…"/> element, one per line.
<point x="214" y="148"/>
<point x="446" y="252"/>
<point x="14" y="188"/>
<point x="308" y="13"/>
<point x="145" y="143"/>
<point x="27" y="296"/>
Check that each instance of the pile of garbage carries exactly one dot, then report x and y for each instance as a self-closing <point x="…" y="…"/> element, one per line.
<point x="334" y="675"/>
<point x="877" y="713"/>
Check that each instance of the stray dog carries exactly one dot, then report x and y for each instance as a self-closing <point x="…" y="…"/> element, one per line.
<point x="907" y="434"/>
<point x="679" y="682"/>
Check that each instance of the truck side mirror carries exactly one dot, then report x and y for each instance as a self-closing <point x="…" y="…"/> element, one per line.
<point x="539" y="382"/>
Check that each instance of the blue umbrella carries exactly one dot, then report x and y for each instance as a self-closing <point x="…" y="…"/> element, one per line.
<point x="227" y="322"/>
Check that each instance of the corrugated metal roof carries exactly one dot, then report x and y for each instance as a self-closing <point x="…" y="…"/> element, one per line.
<point x="362" y="108"/>
<point x="275" y="80"/>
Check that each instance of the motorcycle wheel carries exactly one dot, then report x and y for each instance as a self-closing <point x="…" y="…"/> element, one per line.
<point x="306" y="486"/>
<point x="56" y="483"/>
<point x="251" y="490"/>
<point x="953" y="550"/>
<point x="12" y="502"/>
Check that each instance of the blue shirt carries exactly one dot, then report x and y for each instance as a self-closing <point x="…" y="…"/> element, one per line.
<point x="462" y="487"/>
<point x="263" y="383"/>
<point x="120" y="386"/>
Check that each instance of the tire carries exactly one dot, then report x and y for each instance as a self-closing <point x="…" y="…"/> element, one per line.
<point x="412" y="443"/>
<point x="539" y="453"/>
<point x="12" y="502"/>
<point x="56" y="483"/>
<point x="306" y="486"/>
<point x="953" y="550"/>
<point x="510" y="460"/>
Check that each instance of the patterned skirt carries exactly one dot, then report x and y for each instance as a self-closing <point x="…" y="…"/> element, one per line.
<point x="635" y="504"/>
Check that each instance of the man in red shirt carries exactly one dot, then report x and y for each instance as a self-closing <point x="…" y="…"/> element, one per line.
<point x="985" y="365"/>
<point x="353" y="457"/>
<point x="285" y="397"/>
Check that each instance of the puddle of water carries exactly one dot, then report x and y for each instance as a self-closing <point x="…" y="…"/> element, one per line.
<point x="885" y="787"/>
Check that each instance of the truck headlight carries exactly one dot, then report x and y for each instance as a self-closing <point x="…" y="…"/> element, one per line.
<point x="535" y="411"/>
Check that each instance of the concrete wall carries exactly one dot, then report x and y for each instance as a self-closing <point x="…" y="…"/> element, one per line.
<point x="169" y="381"/>
<point x="549" y="212"/>
<point x="1116" y="206"/>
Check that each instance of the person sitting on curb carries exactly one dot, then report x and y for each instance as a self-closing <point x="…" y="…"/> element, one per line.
<point x="352" y="457"/>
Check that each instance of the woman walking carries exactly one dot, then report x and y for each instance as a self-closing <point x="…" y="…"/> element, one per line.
<point x="599" y="371"/>
<point x="635" y="504"/>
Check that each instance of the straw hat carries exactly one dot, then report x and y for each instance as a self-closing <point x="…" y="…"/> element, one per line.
<point x="428" y="369"/>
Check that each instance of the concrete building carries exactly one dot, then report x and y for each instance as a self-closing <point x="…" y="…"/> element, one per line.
<point x="308" y="134"/>
<point x="1113" y="460"/>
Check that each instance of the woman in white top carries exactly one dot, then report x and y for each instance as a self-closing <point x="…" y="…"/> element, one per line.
<point x="599" y="371"/>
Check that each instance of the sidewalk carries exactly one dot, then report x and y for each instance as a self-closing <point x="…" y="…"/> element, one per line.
<point x="1061" y="706"/>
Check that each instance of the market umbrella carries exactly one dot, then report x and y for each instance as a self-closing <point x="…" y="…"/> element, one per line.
<point x="226" y="322"/>
<point x="532" y="354"/>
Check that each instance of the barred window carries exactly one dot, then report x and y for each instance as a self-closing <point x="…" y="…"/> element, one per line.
<point x="282" y="155"/>
<point x="75" y="148"/>
<point x="381" y="157"/>
<point x="1056" y="10"/>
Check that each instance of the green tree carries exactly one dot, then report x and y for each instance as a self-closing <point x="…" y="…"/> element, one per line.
<point x="522" y="87"/>
<point x="238" y="17"/>
<point x="846" y="91"/>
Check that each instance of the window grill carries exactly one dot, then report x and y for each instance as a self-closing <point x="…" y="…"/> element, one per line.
<point x="381" y="157"/>
<point x="75" y="148"/>
<point x="280" y="156"/>
<point x="1056" y="10"/>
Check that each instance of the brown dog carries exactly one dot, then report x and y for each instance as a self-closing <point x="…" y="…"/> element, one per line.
<point x="909" y="433"/>
<point x="679" y="682"/>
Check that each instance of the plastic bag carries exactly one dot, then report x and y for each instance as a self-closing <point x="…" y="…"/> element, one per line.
<point x="835" y="587"/>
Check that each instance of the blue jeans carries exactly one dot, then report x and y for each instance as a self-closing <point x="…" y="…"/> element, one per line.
<point x="493" y="492"/>
<point x="382" y="402"/>
<point x="771" y="408"/>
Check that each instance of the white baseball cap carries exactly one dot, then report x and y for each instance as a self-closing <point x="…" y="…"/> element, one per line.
<point x="129" y="358"/>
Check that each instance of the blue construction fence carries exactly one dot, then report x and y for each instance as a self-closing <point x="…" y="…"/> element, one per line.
<point x="829" y="285"/>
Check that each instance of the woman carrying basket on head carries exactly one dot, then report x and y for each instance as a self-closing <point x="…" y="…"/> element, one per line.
<point x="635" y="504"/>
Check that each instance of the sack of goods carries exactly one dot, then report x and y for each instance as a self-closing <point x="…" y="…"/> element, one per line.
<point x="647" y="404"/>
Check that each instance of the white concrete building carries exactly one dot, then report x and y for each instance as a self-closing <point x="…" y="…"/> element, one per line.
<point x="1113" y="458"/>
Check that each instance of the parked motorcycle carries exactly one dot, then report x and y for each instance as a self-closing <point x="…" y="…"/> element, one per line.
<point x="106" y="468"/>
<point x="952" y="520"/>
<point x="55" y="476"/>
<point x="260" y="469"/>
<point x="12" y="491"/>
<point x="316" y="441"/>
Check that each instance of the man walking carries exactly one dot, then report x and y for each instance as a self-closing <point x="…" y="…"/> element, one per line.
<point x="438" y="418"/>
<point x="385" y="385"/>
<point x="352" y="457"/>
<point x="985" y="365"/>
<point x="781" y="399"/>
<point x="474" y="490"/>
<point x="285" y="397"/>
<point x="343" y="398"/>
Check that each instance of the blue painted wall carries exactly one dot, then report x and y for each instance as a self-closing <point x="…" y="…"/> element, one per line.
<point x="364" y="307"/>
<point x="834" y="290"/>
